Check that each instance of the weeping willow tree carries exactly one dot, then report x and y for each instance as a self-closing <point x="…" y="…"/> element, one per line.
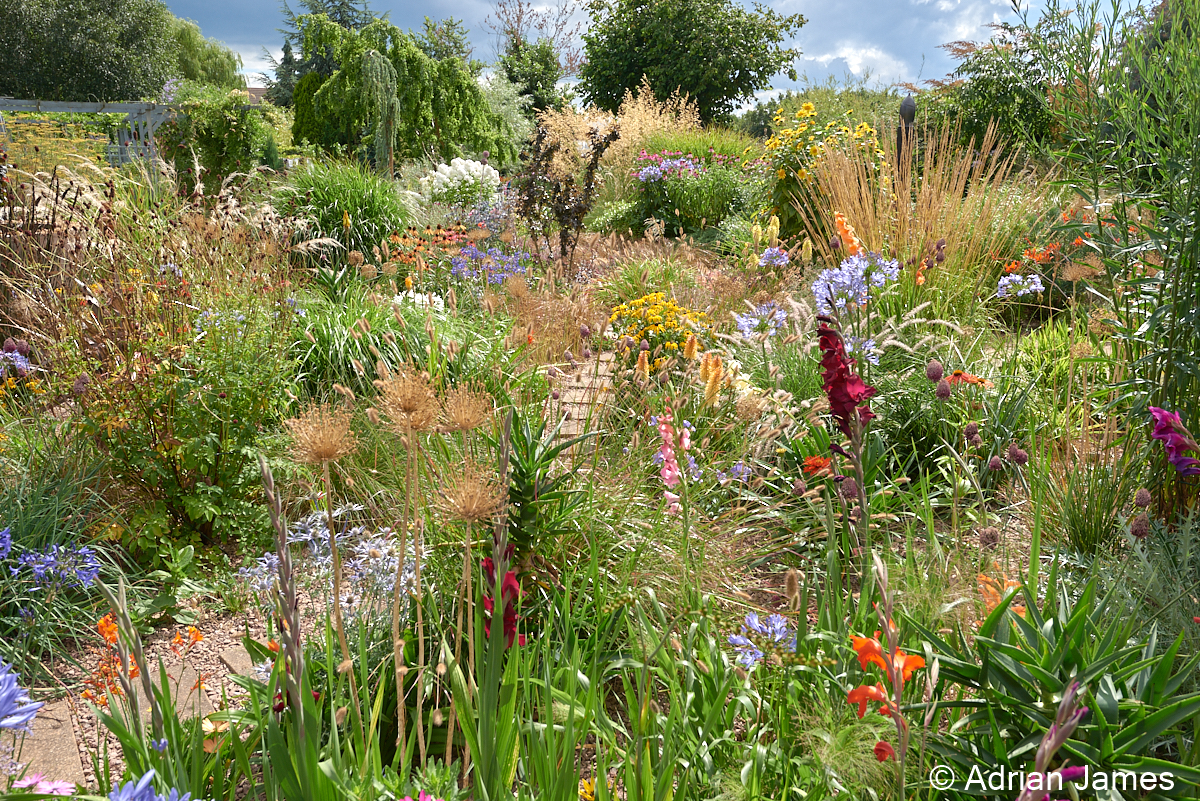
<point x="379" y="85"/>
<point x="408" y="103"/>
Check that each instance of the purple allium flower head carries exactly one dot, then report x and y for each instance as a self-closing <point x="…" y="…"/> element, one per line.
<point x="799" y="487"/>
<point x="1141" y="498"/>
<point x="976" y="441"/>
<point x="1016" y="455"/>
<point x="942" y="392"/>
<point x="1140" y="527"/>
<point x="849" y="489"/>
<point x="995" y="465"/>
<point x="934" y="370"/>
<point x="10" y="345"/>
<point x="971" y="430"/>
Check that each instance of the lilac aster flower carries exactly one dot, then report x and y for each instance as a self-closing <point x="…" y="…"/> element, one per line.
<point x="773" y="257"/>
<point x="772" y="631"/>
<point x="767" y="318"/>
<point x="16" y="710"/>
<point x="1016" y="285"/>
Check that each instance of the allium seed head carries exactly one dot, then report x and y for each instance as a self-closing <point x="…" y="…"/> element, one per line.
<point x="1140" y="527"/>
<point x="472" y="495"/>
<point x="321" y="434"/>
<point x="989" y="537"/>
<point x="409" y="402"/>
<point x="466" y="409"/>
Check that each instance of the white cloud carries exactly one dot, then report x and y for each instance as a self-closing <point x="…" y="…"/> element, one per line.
<point x="254" y="62"/>
<point x="860" y="58"/>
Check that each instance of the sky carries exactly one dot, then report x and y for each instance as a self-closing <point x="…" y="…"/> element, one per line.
<point x="892" y="41"/>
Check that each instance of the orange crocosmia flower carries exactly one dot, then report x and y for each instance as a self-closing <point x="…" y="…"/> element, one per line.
<point x="815" y="464"/>
<point x="194" y="635"/>
<point x="1078" y="241"/>
<point x="108" y="629"/>
<point x="846" y="233"/>
<point x="1012" y="267"/>
<point x="869" y="651"/>
<point x="993" y="590"/>
<point x="273" y="646"/>
<point x="867" y="694"/>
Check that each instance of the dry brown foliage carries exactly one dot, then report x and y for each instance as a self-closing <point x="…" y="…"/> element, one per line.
<point x="553" y="321"/>
<point x="957" y="194"/>
<point x="643" y="116"/>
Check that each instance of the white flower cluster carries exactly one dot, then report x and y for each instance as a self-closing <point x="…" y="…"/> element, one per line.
<point x="462" y="182"/>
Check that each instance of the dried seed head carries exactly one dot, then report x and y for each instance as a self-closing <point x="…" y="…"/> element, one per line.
<point x="791" y="588"/>
<point x="339" y="717"/>
<point x="690" y="347"/>
<point x="750" y="407"/>
<point x="472" y="495"/>
<point x="409" y="402"/>
<point x="1141" y="498"/>
<point x="1140" y="527"/>
<point x="321" y="434"/>
<point x="355" y="258"/>
<point x="989" y="537"/>
<point x="466" y="409"/>
<point x="436" y="717"/>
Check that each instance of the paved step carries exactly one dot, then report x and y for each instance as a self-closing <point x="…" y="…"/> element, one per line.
<point x="52" y="749"/>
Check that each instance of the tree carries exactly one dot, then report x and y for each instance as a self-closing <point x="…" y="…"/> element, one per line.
<point x="89" y="50"/>
<point x="520" y="21"/>
<point x="441" y="109"/>
<point x="534" y="68"/>
<point x="716" y="51"/>
<point x="281" y="88"/>
<point x="203" y="60"/>
<point x="448" y="39"/>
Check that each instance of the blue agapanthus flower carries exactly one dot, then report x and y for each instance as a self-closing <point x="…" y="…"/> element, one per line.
<point x="773" y="257"/>
<point x="143" y="790"/>
<point x="16" y="710"/>
<point x="1017" y="285"/>
<point x="774" y="630"/>
<point x="851" y="283"/>
<point x="59" y="566"/>
<point x="767" y="318"/>
<point x="863" y="347"/>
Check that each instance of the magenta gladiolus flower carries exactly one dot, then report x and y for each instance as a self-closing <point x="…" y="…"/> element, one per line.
<point x="1177" y="440"/>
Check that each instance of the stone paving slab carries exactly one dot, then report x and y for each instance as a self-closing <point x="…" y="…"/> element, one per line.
<point x="190" y="699"/>
<point x="52" y="749"/>
<point x="238" y="661"/>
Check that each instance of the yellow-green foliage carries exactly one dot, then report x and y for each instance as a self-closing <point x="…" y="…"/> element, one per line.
<point x="704" y="142"/>
<point x="41" y="142"/>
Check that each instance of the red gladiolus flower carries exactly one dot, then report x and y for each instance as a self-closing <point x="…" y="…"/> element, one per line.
<point x="510" y="591"/>
<point x="884" y="751"/>
<point x="866" y="694"/>
<point x="846" y="390"/>
<point x="1169" y="428"/>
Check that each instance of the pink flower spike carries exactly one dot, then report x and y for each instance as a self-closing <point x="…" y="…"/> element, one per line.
<point x="672" y="500"/>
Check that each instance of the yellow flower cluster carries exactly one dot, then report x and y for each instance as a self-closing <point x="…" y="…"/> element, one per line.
<point x="660" y="322"/>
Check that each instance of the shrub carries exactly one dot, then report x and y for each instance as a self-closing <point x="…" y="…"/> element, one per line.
<point x="686" y="193"/>
<point x="462" y="183"/>
<point x="218" y="131"/>
<point x="344" y="201"/>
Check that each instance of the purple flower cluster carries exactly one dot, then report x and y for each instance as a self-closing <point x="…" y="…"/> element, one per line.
<point x="15" y="358"/>
<point x="774" y="630"/>
<point x="16" y="710"/>
<point x="849" y="285"/>
<point x="495" y="213"/>
<point x="773" y="257"/>
<point x="767" y="318"/>
<point x="57" y="566"/>
<point x="143" y="790"/>
<point x="494" y="263"/>
<point x="863" y="346"/>
<point x="667" y="165"/>
<point x="1016" y="285"/>
<point x="739" y="472"/>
